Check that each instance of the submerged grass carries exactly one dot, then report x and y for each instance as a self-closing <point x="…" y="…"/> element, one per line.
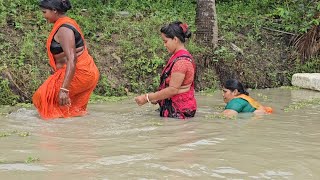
<point x="15" y="132"/>
<point x="220" y="116"/>
<point x="302" y="104"/>
<point x="98" y="99"/>
<point x="31" y="159"/>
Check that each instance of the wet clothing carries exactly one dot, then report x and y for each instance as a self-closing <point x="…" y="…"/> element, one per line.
<point x="240" y="105"/>
<point x="56" y="48"/>
<point x="185" y="67"/>
<point x="85" y="79"/>
<point x="244" y="103"/>
<point x="182" y="105"/>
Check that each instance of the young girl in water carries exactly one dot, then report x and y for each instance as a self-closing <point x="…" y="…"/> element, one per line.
<point x="238" y="100"/>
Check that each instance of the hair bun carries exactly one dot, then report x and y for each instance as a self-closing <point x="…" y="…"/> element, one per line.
<point x="184" y="27"/>
<point x="66" y="5"/>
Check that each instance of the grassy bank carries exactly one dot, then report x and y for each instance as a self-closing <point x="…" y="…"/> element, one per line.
<point x="123" y="37"/>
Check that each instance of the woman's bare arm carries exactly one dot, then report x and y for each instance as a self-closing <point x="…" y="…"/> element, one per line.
<point x="65" y="37"/>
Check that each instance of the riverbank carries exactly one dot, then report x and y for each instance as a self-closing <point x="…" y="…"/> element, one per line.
<point x="123" y="37"/>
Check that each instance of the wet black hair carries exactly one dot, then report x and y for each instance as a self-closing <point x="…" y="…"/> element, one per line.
<point x="175" y="29"/>
<point x="233" y="84"/>
<point x="62" y="6"/>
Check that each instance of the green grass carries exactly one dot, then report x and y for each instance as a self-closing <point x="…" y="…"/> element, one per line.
<point x="124" y="39"/>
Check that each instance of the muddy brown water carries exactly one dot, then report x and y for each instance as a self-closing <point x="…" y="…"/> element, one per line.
<point x="123" y="141"/>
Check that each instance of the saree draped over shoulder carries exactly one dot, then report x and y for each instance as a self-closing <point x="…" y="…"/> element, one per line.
<point x="182" y="105"/>
<point x="85" y="79"/>
<point x="255" y="103"/>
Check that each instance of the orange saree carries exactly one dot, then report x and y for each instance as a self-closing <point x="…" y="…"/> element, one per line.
<point x="85" y="79"/>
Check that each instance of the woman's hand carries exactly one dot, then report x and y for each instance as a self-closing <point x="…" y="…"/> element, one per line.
<point x="52" y="70"/>
<point x="141" y="100"/>
<point x="64" y="99"/>
<point x="229" y="113"/>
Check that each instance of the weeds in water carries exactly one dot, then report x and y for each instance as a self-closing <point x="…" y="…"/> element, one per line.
<point x="264" y="97"/>
<point x="4" y="134"/>
<point x="21" y="134"/>
<point x="97" y="98"/>
<point x="220" y="116"/>
<point x="290" y="87"/>
<point x="24" y="134"/>
<point x="218" y="108"/>
<point x="31" y="160"/>
<point x="302" y="104"/>
<point x="157" y="124"/>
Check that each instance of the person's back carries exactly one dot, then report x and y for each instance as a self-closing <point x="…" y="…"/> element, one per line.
<point x="240" y="105"/>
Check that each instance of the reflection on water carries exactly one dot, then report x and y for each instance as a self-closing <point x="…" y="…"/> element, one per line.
<point x="124" y="141"/>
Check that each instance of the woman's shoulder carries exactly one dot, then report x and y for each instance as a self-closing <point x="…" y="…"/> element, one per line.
<point x="236" y="104"/>
<point x="182" y="65"/>
<point x="184" y="57"/>
<point x="238" y="100"/>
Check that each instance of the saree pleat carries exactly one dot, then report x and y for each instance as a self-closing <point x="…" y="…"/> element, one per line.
<point x="85" y="79"/>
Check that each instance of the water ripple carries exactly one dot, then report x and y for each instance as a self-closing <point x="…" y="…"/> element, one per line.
<point x="228" y="170"/>
<point x="273" y="174"/>
<point x="22" y="167"/>
<point x="165" y="168"/>
<point x="204" y="142"/>
<point x="124" y="159"/>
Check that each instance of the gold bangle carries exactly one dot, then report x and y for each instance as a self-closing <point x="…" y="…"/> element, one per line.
<point x="147" y="96"/>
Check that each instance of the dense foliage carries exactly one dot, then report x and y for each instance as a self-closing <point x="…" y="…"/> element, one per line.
<point x="123" y="37"/>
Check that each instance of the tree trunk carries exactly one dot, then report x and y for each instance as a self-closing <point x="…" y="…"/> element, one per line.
<point x="206" y="36"/>
<point x="206" y="22"/>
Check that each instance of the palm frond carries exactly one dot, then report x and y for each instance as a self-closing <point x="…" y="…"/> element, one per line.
<point x="308" y="44"/>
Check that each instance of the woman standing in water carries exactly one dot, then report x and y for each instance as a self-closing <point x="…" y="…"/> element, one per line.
<point x="67" y="91"/>
<point x="175" y="94"/>
<point x="238" y="100"/>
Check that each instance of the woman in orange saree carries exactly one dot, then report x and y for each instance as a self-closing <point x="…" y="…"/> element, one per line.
<point x="67" y="91"/>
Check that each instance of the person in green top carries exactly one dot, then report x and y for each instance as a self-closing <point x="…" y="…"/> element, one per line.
<point x="240" y="105"/>
<point x="238" y="100"/>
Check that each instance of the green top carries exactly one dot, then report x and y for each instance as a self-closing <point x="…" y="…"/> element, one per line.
<point x="240" y="105"/>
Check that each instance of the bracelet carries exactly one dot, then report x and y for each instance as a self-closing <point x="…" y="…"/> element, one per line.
<point x="147" y="96"/>
<point x="64" y="89"/>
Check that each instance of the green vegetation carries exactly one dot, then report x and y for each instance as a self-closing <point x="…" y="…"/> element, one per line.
<point x="4" y="134"/>
<point x="123" y="37"/>
<point x="31" y="159"/>
<point x="302" y="104"/>
<point x="263" y="31"/>
<point x="290" y="87"/>
<point x="97" y="98"/>
<point x="15" y="132"/>
<point x="220" y="116"/>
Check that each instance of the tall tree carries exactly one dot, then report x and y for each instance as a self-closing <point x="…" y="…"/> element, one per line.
<point x="206" y="36"/>
<point x="206" y="22"/>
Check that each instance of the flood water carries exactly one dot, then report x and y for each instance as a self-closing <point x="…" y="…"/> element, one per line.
<point x="120" y="140"/>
